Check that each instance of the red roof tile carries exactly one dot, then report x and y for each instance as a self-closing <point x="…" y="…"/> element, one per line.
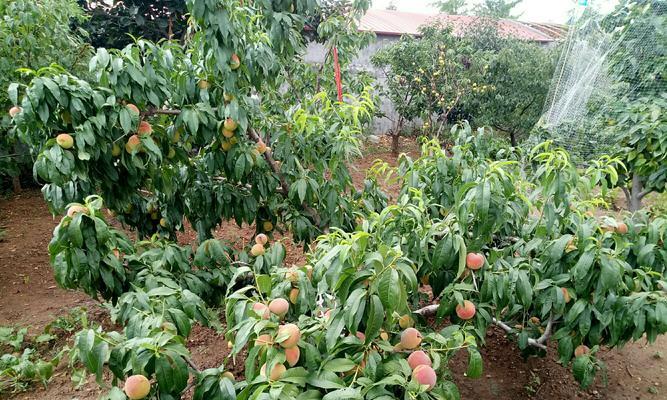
<point x="388" y="22"/>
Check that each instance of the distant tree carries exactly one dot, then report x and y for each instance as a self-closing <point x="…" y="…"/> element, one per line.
<point x="391" y="6"/>
<point x="112" y="24"/>
<point x="454" y="7"/>
<point x="497" y="8"/>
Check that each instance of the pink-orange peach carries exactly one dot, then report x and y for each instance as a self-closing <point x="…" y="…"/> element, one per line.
<point x="417" y="358"/>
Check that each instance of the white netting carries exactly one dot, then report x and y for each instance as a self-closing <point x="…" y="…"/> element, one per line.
<point x="589" y="76"/>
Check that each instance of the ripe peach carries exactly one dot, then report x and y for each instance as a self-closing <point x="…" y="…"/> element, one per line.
<point x="581" y="350"/>
<point x="361" y="336"/>
<point x="292" y="275"/>
<point x="292" y="355"/>
<point x="133" y="144"/>
<point x="230" y="124"/>
<point x="466" y="311"/>
<point x="566" y="295"/>
<point x="235" y="62"/>
<point x="261" y="147"/>
<point x="163" y="222"/>
<point x="292" y="334"/>
<point x="261" y="310"/>
<point x="276" y="372"/>
<point x="116" y="253"/>
<point x="327" y="315"/>
<point x="294" y="295"/>
<point x="133" y="109"/>
<point x="137" y="387"/>
<point x="65" y="140"/>
<point x="14" y="111"/>
<point x="410" y="339"/>
<point x="257" y="250"/>
<point x="405" y="321"/>
<point x="622" y="228"/>
<point x="417" y="358"/>
<point x="227" y="133"/>
<point x="203" y="84"/>
<point x="264" y="340"/>
<point x="261" y="239"/>
<point x="268" y="226"/>
<point x="230" y="344"/>
<point x="384" y="335"/>
<point x="475" y="261"/>
<point x="425" y="375"/>
<point x="144" y="128"/>
<point x="279" y="307"/>
<point x="76" y="209"/>
<point x="226" y="146"/>
<point x="228" y="375"/>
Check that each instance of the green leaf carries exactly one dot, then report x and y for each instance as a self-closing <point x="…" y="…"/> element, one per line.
<point x="339" y="365"/>
<point x="389" y="289"/>
<point x="264" y="283"/>
<point x="474" y="363"/>
<point x="375" y="318"/>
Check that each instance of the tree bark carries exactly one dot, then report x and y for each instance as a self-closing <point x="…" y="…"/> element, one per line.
<point x="636" y="194"/>
<point x="16" y="182"/>
<point x="513" y="138"/>
<point x="395" y="136"/>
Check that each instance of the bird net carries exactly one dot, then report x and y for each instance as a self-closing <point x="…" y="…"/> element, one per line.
<point x="614" y="53"/>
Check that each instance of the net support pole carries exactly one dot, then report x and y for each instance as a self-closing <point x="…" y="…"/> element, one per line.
<point x="339" y="85"/>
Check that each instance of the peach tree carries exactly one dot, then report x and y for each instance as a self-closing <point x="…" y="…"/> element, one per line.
<point x="164" y="132"/>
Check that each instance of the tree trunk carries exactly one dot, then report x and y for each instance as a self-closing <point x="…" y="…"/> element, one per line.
<point x="16" y="182"/>
<point x="394" y="143"/>
<point x="395" y="135"/>
<point x="513" y="138"/>
<point x="635" y="195"/>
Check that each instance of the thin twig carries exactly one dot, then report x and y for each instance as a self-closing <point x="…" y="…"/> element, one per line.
<point x="539" y="342"/>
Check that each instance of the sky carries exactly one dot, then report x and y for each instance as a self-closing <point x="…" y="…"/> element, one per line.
<point x="533" y="10"/>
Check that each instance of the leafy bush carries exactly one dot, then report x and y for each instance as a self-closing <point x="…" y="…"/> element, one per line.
<point x="34" y="35"/>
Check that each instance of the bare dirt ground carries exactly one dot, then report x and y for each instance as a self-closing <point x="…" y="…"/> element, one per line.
<point x="30" y="296"/>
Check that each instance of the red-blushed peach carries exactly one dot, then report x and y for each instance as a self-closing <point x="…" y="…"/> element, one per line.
<point x="65" y="140"/>
<point x="425" y="375"/>
<point x="566" y="295"/>
<point x="230" y="124"/>
<point x="14" y="111"/>
<point x="235" y="62"/>
<point x="292" y="355"/>
<point x="133" y="144"/>
<point x="144" y="128"/>
<point x="410" y="339"/>
<point x="276" y="372"/>
<point x="294" y="295"/>
<point x="261" y="239"/>
<point x="133" y="109"/>
<point x="257" y="250"/>
<point x="417" y="358"/>
<point x="475" y="261"/>
<point x="279" y="307"/>
<point x="581" y="350"/>
<point x="261" y="310"/>
<point x="291" y="333"/>
<point x="466" y="311"/>
<point x="137" y="387"/>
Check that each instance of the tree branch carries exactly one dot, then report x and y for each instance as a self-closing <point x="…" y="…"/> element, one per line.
<point x="644" y="193"/>
<point x="539" y="342"/>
